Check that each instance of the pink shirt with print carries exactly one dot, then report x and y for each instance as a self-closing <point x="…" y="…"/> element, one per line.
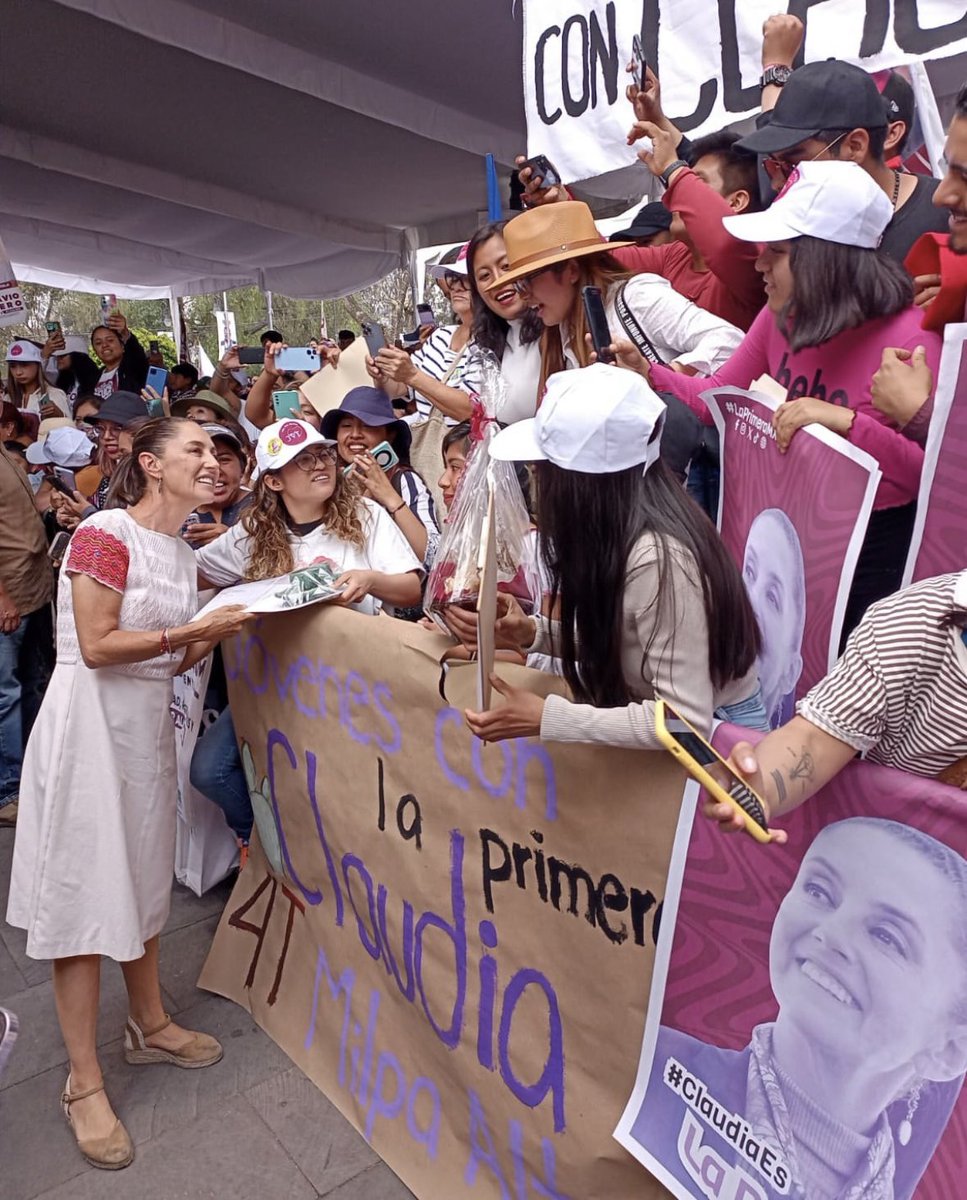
<point x="839" y="371"/>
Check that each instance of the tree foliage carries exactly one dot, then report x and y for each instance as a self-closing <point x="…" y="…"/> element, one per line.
<point x="388" y="302"/>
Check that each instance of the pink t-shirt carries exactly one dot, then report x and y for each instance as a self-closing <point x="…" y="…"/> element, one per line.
<point x="840" y="371"/>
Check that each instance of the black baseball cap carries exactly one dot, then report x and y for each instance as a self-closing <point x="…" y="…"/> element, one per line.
<point x="818" y="96"/>
<point x="648" y="220"/>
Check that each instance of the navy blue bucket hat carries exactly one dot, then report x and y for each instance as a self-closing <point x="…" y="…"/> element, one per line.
<point x="374" y="408"/>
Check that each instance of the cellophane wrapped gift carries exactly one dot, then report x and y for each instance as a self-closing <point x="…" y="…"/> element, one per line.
<point x="455" y="575"/>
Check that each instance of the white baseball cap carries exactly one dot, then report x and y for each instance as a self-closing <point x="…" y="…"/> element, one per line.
<point x="279" y="443"/>
<point x="460" y="267"/>
<point x="72" y="345"/>
<point x="24" y="351"/>
<point x="65" y="447"/>
<point x="598" y="420"/>
<point x="834" y="201"/>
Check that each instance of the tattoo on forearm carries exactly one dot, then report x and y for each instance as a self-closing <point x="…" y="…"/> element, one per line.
<point x="803" y="769"/>
<point x="780" y="786"/>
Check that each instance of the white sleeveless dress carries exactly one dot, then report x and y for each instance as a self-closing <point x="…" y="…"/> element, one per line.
<point x="94" y="853"/>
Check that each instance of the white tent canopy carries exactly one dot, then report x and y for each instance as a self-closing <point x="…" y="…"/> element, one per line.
<point x="303" y="147"/>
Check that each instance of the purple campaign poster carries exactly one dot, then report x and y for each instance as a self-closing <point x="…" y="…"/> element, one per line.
<point x="807" y="1029"/>
<point x="939" y="543"/>
<point x="794" y="523"/>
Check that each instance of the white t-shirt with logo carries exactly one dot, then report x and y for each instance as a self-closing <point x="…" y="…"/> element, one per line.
<point x="224" y="561"/>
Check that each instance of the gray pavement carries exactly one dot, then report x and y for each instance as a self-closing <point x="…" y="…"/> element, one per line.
<point x="254" y="1126"/>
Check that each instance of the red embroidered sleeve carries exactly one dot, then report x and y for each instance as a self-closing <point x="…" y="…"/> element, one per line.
<point x="101" y="555"/>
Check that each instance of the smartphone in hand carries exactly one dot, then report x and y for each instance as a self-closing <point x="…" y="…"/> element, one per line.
<point x="385" y="456"/>
<point x="297" y="358"/>
<point x="157" y="379"/>
<point x="710" y="769"/>
<point x="375" y="338"/>
<point x="639" y="65"/>
<point x="285" y="404"/>
<point x="251" y="356"/>
<point x="597" y="320"/>
<point x="543" y="172"/>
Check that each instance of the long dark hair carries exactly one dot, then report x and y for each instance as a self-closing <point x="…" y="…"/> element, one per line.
<point x="837" y="287"/>
<point x="488" y="329"/>
<point x="129" y="481"/>
<point x="589" y="525"/>
<point x="83" y="371"/>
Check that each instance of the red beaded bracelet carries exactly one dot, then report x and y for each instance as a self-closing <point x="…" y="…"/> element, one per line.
<point x="165" y="644"/>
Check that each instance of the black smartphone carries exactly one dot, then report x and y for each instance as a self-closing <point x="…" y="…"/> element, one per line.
<point x="375" y="338"/>
<point x="639" y="65"/>
<point x="251" y="356"/>
<point x="425" y="314"/>
<point x="598" y="323"/>
<point x="59" y="485"/>
<point x="544" y="170"/>
<point x="153" y="345"/>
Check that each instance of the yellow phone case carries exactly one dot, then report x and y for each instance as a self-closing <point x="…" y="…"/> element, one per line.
<point x="698" y="772"/>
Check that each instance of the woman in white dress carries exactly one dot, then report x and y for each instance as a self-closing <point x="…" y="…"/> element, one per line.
<point x="95" y="846"/>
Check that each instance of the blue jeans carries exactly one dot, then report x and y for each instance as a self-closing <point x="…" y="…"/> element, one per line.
<point x="26" y="661"/>
<point x="703" y="481"/>
<point x="216" y="771"/>
<point x="750" y="712"/>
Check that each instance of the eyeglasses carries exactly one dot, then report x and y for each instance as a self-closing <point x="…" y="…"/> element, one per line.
<point x="455" y="281"/>
<point x="321" y="456"/>
<point x="778" y="168"/>
<point x="523" y="285"/>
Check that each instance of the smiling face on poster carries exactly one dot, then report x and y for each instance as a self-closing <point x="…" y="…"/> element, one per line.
<point x="794" y="523"/>
<point x="807" y="1032"/>
<point x="775" y="578"/>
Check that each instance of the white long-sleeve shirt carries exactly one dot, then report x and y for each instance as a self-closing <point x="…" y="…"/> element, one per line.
<point x="679" y="330"/>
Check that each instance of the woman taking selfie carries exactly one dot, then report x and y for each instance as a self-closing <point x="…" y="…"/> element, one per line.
<point x="303" y="510"/>
<point x="833" y="302"/>
<point x="637" y="572"/>
<point x="433" y="374"/>
<point x="555" y="251"/>
<point x="364" y="421"/>
<point x="95" y="847"/>
<point x="125" y="362"/>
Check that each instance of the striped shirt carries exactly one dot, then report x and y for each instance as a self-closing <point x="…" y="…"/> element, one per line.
<point x="436" y="358"/>
<point x="899" y="692"/>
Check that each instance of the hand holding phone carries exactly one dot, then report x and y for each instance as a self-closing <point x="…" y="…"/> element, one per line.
<point x="286" y="404"/>
<point x="597" y="319"/>
<point x="297" y="358"/>
<point x="157" y="379"/>
<point x="638" y="64"/>
<point x="543" y="173"/>
<point x="723" y="785"/>
<point x="374" y="337"/>
<point x="250" y="356"/>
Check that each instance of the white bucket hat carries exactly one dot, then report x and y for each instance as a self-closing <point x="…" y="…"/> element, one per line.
<point x="598" y="420"/>
<point x="279" y="443"/>
<point x="834" y="201"/>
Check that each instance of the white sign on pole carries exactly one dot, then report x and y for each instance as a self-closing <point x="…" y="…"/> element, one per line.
<point x="707" y="55"/>
<point x="227" y="336"/>
<point x="12" y="308"/>
<point x="575" y="57"/>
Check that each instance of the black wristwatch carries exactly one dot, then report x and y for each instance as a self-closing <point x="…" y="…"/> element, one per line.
<point x="670" y="170"/>
<point x="775" y="76"/>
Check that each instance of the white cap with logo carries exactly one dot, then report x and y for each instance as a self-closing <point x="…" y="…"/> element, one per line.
<point x="23" y="351"/>
<point x="833" y="201"/>
<point x="597" y="420"/>
<point x="279" y="443"/>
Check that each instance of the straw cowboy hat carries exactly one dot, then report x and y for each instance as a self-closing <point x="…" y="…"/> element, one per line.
<point x="550" y="234"/>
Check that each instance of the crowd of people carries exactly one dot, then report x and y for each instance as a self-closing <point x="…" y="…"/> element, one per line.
<point x="780" y="253"/>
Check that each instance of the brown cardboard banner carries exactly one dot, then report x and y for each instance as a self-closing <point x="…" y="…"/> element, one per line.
<point x="455" y="941"/>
